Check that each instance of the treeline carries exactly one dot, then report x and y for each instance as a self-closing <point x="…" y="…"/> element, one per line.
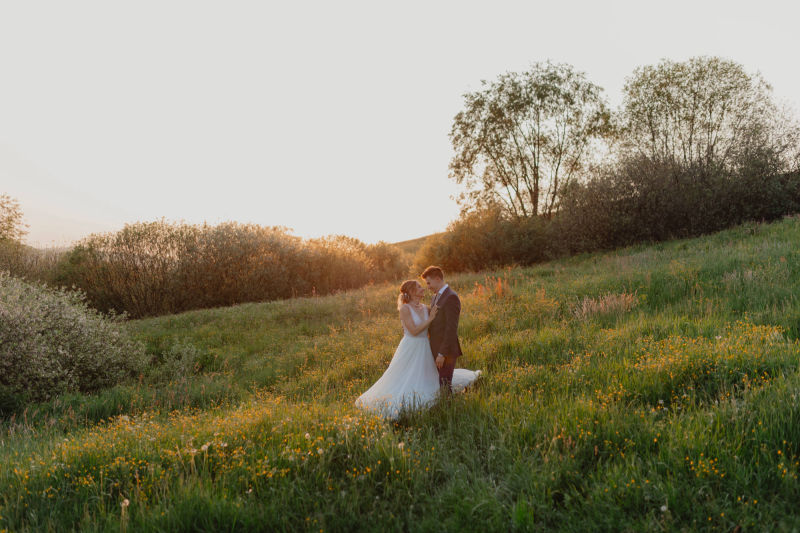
<point x="612" y="212"/>
<point x="153" y="268"/>
<point x="161" y="267"/>
<point x="549" y="170"/>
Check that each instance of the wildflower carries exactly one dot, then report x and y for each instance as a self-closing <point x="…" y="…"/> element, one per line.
<point x="125" y="503"/>
<point x="663" y="508"/>
<point x="401" y="445"/>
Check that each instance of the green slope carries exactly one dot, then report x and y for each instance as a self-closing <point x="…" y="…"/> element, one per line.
<point x="653" y="388"/>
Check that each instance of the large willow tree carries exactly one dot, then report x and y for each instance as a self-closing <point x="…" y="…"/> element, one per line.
<point x="521" y="139"/>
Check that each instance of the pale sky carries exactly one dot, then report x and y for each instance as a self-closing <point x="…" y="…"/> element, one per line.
<point x="328" y="117"/>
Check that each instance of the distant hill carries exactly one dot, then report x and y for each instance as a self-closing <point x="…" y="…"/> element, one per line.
<point x="411" y="247"/>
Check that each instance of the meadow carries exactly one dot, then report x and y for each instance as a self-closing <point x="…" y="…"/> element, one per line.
<point x="653" y="388"/>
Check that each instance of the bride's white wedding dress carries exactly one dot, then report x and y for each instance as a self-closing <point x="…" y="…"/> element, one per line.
<point x="412" y="380"/>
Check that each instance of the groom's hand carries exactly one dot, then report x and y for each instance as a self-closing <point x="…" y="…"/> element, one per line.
<point x="439" y="361"/>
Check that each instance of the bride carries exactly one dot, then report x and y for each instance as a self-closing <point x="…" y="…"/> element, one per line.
<point x="412" y="379"/>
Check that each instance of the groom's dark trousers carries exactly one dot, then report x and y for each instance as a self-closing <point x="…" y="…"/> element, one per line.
<point x="443" y="335"/>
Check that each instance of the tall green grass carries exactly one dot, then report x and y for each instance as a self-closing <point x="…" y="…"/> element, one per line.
<point x="654" y="388"/>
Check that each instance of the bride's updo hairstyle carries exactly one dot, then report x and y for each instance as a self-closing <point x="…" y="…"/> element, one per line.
<point x="405" y="292"/>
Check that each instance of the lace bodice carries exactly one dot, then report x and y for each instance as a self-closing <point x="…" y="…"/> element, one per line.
<point x="418" y="317"/>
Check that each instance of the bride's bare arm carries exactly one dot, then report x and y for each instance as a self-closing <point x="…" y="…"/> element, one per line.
<point x="408" y="321"/>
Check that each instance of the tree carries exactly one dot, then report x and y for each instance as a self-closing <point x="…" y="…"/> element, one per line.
<point x="705" y="113"/>
<point x="11" y="227"/>
<point x="524" y="137"/>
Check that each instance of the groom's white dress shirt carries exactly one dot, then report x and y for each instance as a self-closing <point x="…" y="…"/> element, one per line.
<point x="438" y="294"/>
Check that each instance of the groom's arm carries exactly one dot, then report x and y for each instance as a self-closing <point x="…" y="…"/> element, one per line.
<point x="452" y="310"/>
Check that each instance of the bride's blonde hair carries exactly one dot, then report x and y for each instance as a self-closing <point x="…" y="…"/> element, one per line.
<point x="405" y="292"/>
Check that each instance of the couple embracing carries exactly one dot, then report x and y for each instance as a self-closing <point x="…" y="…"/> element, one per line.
<point x="425" y="360"/>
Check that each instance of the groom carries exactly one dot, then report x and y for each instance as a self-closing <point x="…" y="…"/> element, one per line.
<point x="443" y="331"/>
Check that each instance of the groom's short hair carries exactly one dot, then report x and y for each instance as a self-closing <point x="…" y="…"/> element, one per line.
<point x="433" y="271"/>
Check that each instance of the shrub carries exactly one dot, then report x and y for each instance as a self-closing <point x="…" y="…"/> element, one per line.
<point x="179" y="362"/>
<point x="637" y="200"/>
<point x="477" y="241"/>
<point x="487" y="239"/>
<point x="152" y="268"/>
<point x="336" y="263"/>
<point x="30" y="263"/>
<point x="51" y="342"/>
<point x="642" y="200"/>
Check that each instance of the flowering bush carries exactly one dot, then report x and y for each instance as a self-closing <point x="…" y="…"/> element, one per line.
<point x="52" y="342"/>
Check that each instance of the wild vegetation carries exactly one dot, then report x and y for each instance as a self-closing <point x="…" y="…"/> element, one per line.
<point x="648" y="389"/>
<point x="51" y="342"/>
<point x="11" y="226"/>
<point x="695" y="147"/>
<point x="152" y="268"/>
<point x="162" y="267"/>
<point x="17" y="258"/>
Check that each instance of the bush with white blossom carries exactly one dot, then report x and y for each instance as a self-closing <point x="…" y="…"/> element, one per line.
<point x="52" y="342"/>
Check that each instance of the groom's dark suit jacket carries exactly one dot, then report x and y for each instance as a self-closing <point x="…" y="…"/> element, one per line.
<point x="443" y="331"/>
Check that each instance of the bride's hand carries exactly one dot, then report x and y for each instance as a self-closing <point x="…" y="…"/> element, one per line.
<point x="434" y="310"/>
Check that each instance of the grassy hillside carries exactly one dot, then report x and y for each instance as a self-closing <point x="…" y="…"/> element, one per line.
<point x="654" y="388"/>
